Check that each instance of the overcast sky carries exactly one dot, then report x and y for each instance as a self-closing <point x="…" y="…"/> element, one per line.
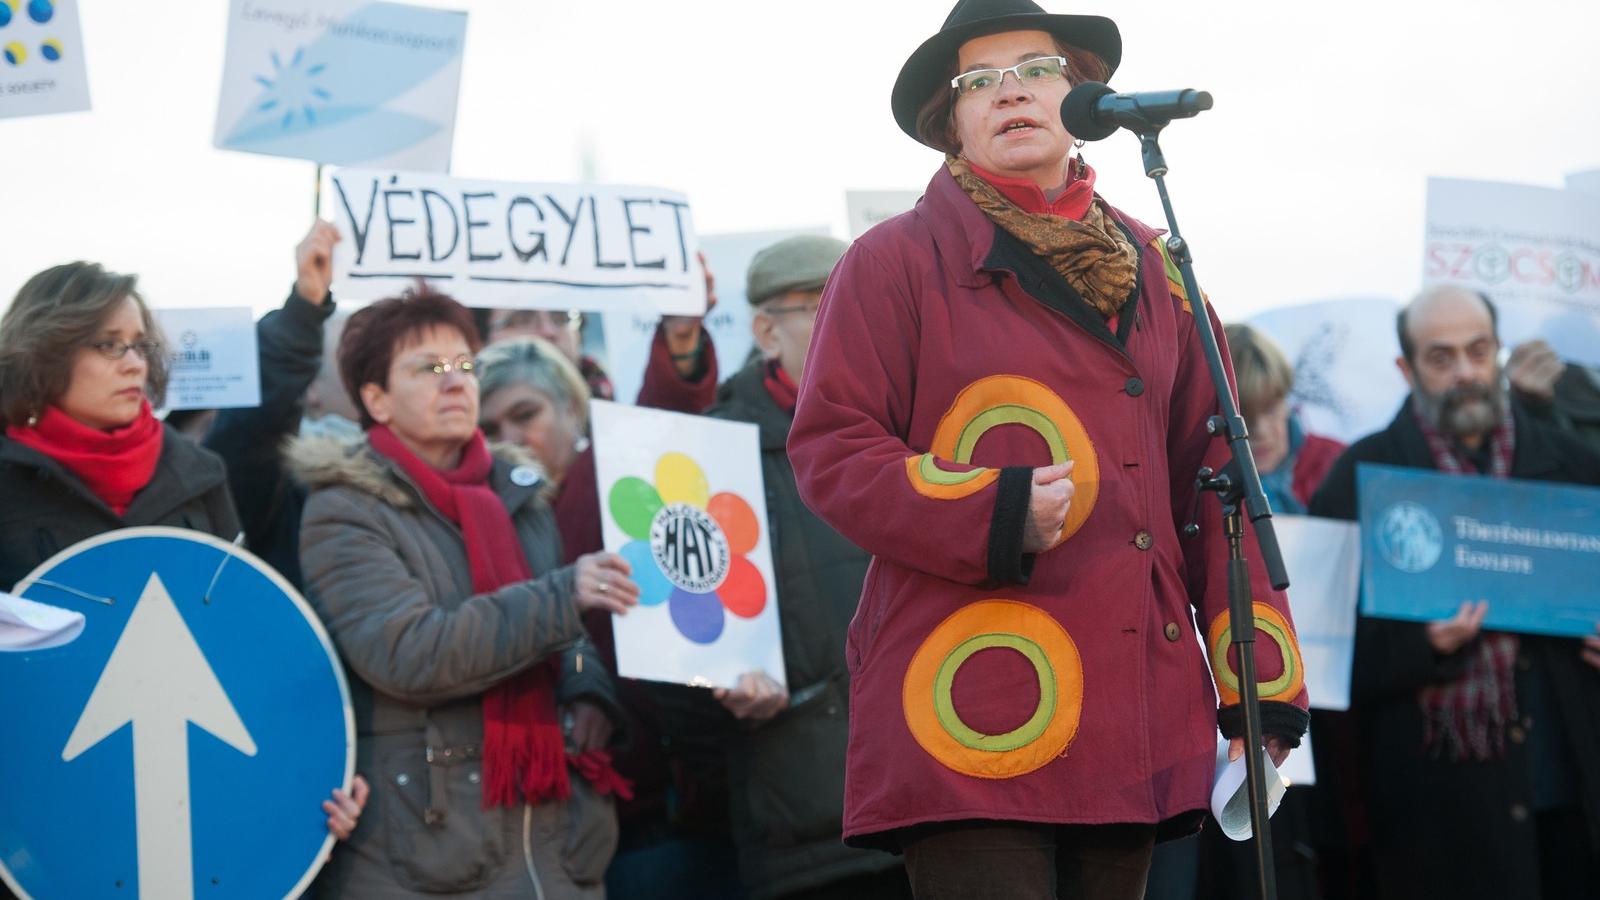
<point x="1306" y="181"/>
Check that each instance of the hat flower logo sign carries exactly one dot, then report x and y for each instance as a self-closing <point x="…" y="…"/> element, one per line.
<point x="689" y="547"/>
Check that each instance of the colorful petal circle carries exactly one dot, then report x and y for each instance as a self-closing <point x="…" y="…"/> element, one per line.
<point x="744" y="591"/>
<point x="634" y="504"/>
<point x="5" y="13"/>
<point x="15" y="53"/>
<point x="680" y="480"/>
<point x="41" y="11"/>
<point x="699" y="617"/>
<point x="738" y="521"/>
<point x="50" y="50"/>
<point x="654" y="588"/>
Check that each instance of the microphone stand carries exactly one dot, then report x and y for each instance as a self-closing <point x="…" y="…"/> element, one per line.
<point x="1239" y="482"/>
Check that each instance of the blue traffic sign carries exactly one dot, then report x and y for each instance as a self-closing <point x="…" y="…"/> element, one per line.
<point x="183" y="744"/>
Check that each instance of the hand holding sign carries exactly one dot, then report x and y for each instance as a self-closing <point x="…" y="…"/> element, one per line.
<point x="313" y="260"/>
<point x="1449" y="635"/>
<point x="1591" y="649"/>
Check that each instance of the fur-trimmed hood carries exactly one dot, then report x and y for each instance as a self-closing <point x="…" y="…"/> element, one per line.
<point x="332" y="461"/>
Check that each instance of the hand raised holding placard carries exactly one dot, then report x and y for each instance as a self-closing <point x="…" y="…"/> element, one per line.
<point x="313" y="259"/>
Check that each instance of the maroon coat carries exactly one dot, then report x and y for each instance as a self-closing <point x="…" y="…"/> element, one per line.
<point x="948" y="361"/>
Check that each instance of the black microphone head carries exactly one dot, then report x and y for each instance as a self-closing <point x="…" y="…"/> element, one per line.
<point x="1078" y="113"/>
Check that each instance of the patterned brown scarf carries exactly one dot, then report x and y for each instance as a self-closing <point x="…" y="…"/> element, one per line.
<point x="1094" y="256"/>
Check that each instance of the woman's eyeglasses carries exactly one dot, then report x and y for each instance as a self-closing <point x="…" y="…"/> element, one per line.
<point x="115" y="350"/>
<point x="440" y="367"/>
<point x="1042" y="70"/>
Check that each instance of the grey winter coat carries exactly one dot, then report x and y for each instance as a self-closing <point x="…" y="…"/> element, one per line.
<point x="390" y="577"/>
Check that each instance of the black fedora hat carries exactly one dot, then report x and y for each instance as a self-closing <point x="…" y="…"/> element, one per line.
<point x="927" y="68"/>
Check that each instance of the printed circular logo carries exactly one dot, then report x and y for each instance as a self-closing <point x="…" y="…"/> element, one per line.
<point x="1409" y="537"/>
<point x="689" y="547"/>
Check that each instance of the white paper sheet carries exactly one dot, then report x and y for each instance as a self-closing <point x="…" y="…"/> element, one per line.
<point x="27" y="625"/>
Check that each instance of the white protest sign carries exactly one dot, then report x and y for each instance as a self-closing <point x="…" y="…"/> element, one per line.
<point x="1323" y="557"/>
<point x="1535" y="251"/>
<point x="683" y="502"/>
<point x="1587" y="181"/>
<point x="211" y="355"/>
<point x="628" y="335"/>
<point x="592" y="247"/>
<point x="345" y="82"/>
<point x="868" y="208"/>
<point x="1346" y="384"/>
<point x="41" y="58"/>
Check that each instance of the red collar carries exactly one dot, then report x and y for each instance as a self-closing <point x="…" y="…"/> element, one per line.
<point x="1072" y="204"/>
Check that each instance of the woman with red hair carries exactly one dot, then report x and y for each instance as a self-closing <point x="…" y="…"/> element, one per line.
<point x="435" y="564"/>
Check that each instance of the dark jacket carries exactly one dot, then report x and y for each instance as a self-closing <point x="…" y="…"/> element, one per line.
<point x="949" y="361"/>
<point x="45" y="509"/>
<point x="390" y="577"/>
<point x="1575" y="405"/>
<point x="787" y="775"/>
<point x="1464" y="829"/>
<point x="250" y="440"/>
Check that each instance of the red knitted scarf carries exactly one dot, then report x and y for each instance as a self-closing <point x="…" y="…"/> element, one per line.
<point x="1467" y="718"/>
<point x="524" y="754"/>
<point x="115" y="465"/>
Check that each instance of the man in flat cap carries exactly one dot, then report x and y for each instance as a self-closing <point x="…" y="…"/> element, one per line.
<point x="785" y="750"/>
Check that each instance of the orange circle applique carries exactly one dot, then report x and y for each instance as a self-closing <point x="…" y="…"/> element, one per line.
<point x="1288" y="683"/>
<point x="930" y="713"/>
<point x="1015" y="400"/>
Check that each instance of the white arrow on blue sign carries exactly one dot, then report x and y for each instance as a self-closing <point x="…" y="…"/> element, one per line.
<point x="238" y="725"/>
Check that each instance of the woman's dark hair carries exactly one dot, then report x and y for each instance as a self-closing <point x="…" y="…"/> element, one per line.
<point x="374" y="333"/>
<point x="57" y="313"/>
<point x="936" y="120"/>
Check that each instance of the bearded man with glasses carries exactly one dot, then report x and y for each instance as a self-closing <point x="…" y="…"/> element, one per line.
<point x="1480" y="774"/>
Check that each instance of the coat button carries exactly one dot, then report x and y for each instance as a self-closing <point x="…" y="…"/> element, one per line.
<point x="1143" y="540"/>
<point x="1173" y="632"/>
<point x="1134" y="387"/>
<point x="473" y="777"/>
<point x="402" y="779"/>
<point x="1516" y="734"/>
<point x="524" y="476"/>
<point x="1519" y="812"/>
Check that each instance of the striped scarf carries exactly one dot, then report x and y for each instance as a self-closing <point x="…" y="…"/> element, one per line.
<point x="1467" y="718"/>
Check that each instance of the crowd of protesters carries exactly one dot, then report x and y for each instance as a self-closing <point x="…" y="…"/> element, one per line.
<point x="424" y="473"/>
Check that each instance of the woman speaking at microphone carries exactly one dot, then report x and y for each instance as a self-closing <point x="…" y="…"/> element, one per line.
<point x="1006" y="404"/>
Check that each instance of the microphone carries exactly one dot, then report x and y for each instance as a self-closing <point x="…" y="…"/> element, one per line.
<point x="1093" y="111"/>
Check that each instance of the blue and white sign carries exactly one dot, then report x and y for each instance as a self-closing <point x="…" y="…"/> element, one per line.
<point x="342" y="81"/>
<point x="240" y="727"/>
<point x="1430" y="542"/>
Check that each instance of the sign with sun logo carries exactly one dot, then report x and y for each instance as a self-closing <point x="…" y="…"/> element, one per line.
<point x="683" y="502"/>
<point x="342" y="81"/>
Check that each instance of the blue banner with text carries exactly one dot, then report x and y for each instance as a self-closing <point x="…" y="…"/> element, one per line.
<point x="1430" y="542"/>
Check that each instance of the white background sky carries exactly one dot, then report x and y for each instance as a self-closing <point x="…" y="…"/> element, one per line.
<point x="1306" y="180"/>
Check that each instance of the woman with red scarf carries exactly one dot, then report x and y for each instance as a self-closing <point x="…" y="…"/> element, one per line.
<point x="434" y="563"/>
<point x="1005" y="403"/>
<point x="81" y="362"/>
